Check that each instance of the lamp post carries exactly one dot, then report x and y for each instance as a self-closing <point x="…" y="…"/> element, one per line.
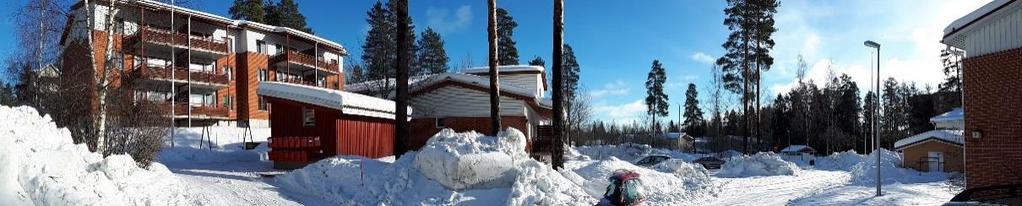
<point x="876" y="130"/>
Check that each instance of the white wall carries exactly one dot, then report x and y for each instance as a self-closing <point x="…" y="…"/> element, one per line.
<point x="453" y="101"/>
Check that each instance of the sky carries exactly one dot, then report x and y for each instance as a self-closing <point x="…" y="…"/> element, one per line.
<point x="616" y="41"/>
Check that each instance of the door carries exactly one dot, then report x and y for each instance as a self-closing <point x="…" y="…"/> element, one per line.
<point x="936" y="161"/>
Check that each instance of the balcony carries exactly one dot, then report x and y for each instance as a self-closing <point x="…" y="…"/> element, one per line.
<point x="204" y="111"/>
<point x="300" y="61"/>
<point x="180" y="76"/>
<point x="159" y="40"/>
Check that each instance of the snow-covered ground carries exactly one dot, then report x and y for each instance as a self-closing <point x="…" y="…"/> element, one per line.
<point x="39" y="165"/>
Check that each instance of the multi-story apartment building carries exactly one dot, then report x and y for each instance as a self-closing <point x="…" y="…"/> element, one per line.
<point x="205" y="68"/>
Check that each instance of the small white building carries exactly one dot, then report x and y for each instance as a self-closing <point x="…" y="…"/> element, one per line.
<point x="801" y="152"/>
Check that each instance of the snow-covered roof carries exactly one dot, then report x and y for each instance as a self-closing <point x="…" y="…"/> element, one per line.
<point x="956" y="114"/>
<point x="798" y="148"/>
<point x="973" y="16"/>
<point x="417" y="83"/>
<point x="950" y="136"/>
<point x="291" y="31"/>
<point x="504" y="68"/>
<point x="346" y="102"/>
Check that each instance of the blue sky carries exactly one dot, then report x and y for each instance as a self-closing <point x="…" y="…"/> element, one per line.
<point x="616" y="41"/>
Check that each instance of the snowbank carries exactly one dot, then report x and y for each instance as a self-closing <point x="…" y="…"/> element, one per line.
<point x="843" y="161"/>
<point x="465" y="160"/>
<point x="40" y="165"/>
<point x="679" y="186"/>
<point x="865" y="172"/>
<point x="627" y="151"/>
<point x="471" y="160"/>
<point x="760" y="164"/>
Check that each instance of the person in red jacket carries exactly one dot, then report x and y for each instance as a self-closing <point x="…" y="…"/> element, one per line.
<point x="625" y="189"/>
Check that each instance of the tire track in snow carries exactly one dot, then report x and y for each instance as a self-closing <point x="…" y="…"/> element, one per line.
<point x="774" y="190"/>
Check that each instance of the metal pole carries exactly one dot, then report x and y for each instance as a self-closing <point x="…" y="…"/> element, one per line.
<point x="173" y="93"/>
<point x="188" y="69"/>
<point x="877" y="141"/>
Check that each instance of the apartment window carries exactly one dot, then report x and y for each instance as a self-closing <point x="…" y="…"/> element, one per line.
<point x="227" y="71"/>
<point x="279" y="48"/>
<point x="308" y="117"/>
<point x="264" y="75"/>
<point x="440" y="123"/>
<point x="226" y="101"/>
<point x="262" y="104"/>
<point x="261" y="46"/>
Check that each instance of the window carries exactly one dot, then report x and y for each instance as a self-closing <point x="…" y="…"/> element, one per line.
<point x="264" y="74"/>
<point x="227" y="71"/>
<point x="440" y="123"/>
<point x="262" y="104"/>
<point x="261" y="46"/>
<point x="227" y="101"/>
<point x="308" y="117"/>
<point x="279" y="48"/>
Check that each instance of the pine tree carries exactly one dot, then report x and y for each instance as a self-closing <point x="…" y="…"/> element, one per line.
<point x="249" y="10"/>
<point x="868" y="117"/>
<point x="432" y="57"/>
<point x="571" y="73"/>
<point x="285" y="13"/>
<point x="693" y="114"/>
<point x="505" y="38"/>
<point x="735" y="63"/>
<point x="537" y="61"/>
<point x="656" y="99"/>
<point x="377" y="47"/>
<point x="410" y="37"/>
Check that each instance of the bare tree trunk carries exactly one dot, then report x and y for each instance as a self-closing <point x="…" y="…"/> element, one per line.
<point x="103" y="86"/>
<point x="494" y="81"/>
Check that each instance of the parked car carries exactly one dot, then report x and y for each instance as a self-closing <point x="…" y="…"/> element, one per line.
<point x="995" y="195"/>
<point x="651" y="160"/>
<point x="709" y="162"/>
<point x="625" y="189"/>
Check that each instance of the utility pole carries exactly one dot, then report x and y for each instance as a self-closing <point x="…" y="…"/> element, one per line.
<point x="494" y="81"/>
<point x="876" y="141"/>
<point x="558" y="83"/>
<point x="401" y="101"/>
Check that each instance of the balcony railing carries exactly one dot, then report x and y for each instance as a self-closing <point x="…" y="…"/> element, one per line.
<point x="155" y="72"/>
<point x="295" y="57"/>
<point x="161" y="36"/>
<point x="181" y="109"/>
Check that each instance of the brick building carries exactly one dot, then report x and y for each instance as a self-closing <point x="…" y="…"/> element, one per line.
<point x="991" y="38"/>
<point x="204" y="68"/>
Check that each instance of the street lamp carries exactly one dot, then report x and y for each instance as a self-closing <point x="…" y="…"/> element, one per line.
<point x="876" y="127"/>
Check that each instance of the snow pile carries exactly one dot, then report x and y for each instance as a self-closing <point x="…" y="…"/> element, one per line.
<point x="843" y="161"/>
<point x="691" y="173"/>
<point x="679" y="186"/>
<point x="630" y="152"/>
<point x="865" y="172"/>
<point x="486" y="170"/>
<point x="228" y="146"/>
<point x="40" y="165"/>
<point x="538" y="184"/>
<point x="471" y="160"/>
<point x="760" y="164"/>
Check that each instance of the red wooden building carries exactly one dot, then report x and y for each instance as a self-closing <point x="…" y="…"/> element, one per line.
<point x="311" y="123"/>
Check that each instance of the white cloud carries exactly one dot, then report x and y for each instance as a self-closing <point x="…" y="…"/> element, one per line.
<point x="703" y="58"/>
<point x="616" y="88"/>
<point x="830" y="33"/>
<point x="441" y="20"/>
<point x="622" y="113"/>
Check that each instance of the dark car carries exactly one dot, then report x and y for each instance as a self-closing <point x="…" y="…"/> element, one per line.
<point x="710" y="162"/>
<point x="651" y="160"/>
<point x="995" y="195"/>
